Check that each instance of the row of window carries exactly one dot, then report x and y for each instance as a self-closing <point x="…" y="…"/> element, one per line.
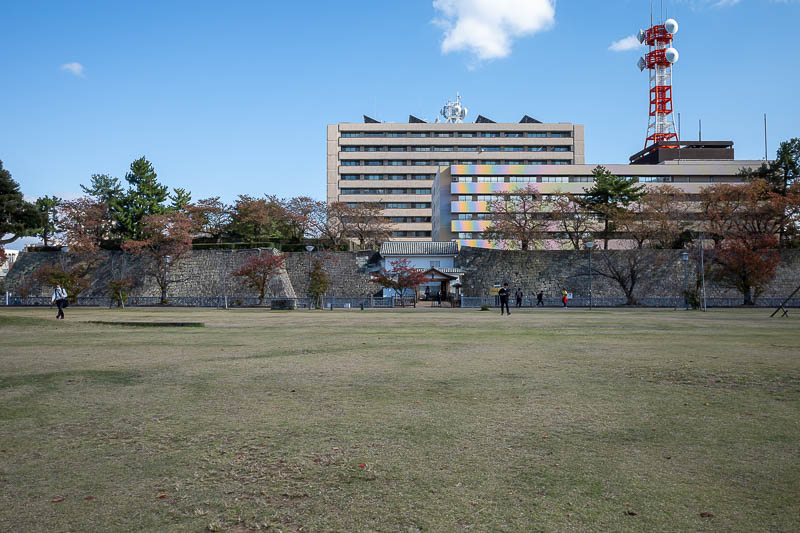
<point x="411" y="234"/>
<point x="441" y="163"/>
<point x="392" y="177"/>
<point x="408" y="219"/>
<point x="439" y="134"/>
<point x="398" y="205"/>
<point x="385" y="191"/>
<point x="456" y="148"/>
<point x="552" y="179"/>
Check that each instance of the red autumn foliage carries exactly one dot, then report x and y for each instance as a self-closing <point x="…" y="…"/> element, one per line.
<point x="259" y="270"/>
<point x="400" y="278"/>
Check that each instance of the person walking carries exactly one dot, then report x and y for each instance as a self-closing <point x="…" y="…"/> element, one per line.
<point x="504" y="293"/>
<point x="59" y="298"/>
<point x="518" y="297"/>
<point x="564" y="295"/>
<point x="540" y="299"/>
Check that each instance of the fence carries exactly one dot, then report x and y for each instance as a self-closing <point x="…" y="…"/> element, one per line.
<point x="494" y="301"/>
<point x="337" y="302"/>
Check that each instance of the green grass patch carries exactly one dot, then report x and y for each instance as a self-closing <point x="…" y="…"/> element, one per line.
<point x="415" y="420"/>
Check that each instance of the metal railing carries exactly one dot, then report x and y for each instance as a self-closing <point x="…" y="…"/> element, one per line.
<point x="337" y="302"/>
<point x="494" y="302"/>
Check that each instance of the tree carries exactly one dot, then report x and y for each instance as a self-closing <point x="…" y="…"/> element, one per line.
<point x="86" y="224"/>
<point x="364" y="222"/>
<point x="572" y="221"/>
<point x="658" y="219"/>
<point x="167" y="239"/>
<point x="18" y="218"/>
<point x="400" y="278"/>
<point x="145" y="196"/>
<point x="301" y="210"/>
<point x="259" y="271"/>
<point x="257" y="219"/>
<point x="517" y="220"/>
<point x="212" y="216"/>
<point x="629" y="269"/>
<point x="608" y="196"/>
<point x="118" y="290"/>
<point x="51" y="224"/>
<point x="70" y="278"/>
<point x="747" y="263"/>
<point x="318" y="282"/>
<point x="325" y="222"/>
<point x="180" y="198"/>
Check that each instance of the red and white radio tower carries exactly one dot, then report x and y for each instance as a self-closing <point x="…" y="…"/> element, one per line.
<point x="659" y="60"/>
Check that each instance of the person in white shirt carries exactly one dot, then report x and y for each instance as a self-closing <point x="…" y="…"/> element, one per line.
<point x="60" y="299"/>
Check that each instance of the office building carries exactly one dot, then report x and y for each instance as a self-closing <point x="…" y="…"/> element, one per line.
<point x="395" y="163"/>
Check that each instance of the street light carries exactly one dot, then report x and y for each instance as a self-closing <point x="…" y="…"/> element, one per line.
<point x="309" y="249"/>
<point x="685" y="259"/>
<point x="589" y="245"/>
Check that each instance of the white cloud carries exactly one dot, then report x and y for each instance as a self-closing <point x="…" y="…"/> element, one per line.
<point x="75" y="68"/>
<point x="726" y="3"/>
<point x="628" y="43"/>
<point x="487" y="28"/>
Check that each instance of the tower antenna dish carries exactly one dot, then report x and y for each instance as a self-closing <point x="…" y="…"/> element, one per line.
<point x="453" y="112"/>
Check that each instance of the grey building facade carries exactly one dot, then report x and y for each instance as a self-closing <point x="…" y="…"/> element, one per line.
<point x="395" y="164"/>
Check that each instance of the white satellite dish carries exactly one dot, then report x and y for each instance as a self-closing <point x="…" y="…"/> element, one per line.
<point x="641" y="35"/>
<point x="671" y="55"/>
<point x="641" y="64"/>
<point x="671" y="25"/>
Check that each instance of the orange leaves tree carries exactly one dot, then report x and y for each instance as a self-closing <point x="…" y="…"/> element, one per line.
<point x="259" y="271"/>
<point x="745" y="221"/>
<point x="167" y="240"/>
<point x="401" y="277"/>
<point x="747" y="263"/>
<point x="517" y="220"/>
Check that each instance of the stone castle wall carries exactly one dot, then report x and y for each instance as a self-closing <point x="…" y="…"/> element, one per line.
<point x="208" y="273"/>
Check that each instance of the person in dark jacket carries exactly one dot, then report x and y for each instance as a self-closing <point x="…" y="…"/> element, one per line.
<point x="518" y="298"/>
<point x="504" y="293"/>
<point x="540" y="299"/>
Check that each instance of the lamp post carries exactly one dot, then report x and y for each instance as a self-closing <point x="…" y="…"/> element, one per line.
<point x="589" y="245"/>
<point x="309" y="249"/>
<point x="685" y="259"/>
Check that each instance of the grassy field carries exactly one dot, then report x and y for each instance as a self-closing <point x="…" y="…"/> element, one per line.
<point x="400" y="421"/>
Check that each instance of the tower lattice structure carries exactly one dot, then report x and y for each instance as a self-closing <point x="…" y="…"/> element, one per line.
<point x="658" y="61"/>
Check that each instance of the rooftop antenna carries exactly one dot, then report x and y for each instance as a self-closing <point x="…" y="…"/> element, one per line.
<point x="765" y="137"/>
<point x="699" y="129"/>
<point x="453" y="112"/>
<point x="658" y="61"/>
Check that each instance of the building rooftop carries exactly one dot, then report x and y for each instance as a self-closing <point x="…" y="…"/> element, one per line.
<point x="418" y="248"/>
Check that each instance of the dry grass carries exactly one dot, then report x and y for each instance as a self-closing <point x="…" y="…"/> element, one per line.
<point x="426" y="420"/>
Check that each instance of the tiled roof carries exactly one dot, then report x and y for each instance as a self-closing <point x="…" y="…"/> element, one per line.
<point x="407" y="248"/>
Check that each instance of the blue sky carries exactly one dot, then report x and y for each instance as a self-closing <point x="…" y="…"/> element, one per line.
<point x="230" y="98"/>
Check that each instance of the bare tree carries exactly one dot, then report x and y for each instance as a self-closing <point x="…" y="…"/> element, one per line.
<point x="572" y="221"/>
<point x="517" y="220"/>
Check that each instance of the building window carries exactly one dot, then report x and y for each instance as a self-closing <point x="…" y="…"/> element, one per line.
<point x="464" y="216"/>
<point x="420" y="148"/>
<point x="467" y="134"/>
<point x="467" y="148"/>
<point x="396" y="163"/>
<point x="483" y="216"/>
<point x="561" y="134"/>
<point x="489" y="148"/>
<point x="513" y="148"/>
<point x="510" y="162"/>
<point x="374" y="163"/>
<point x="351" y="134"/>
<point x="374" y="176"/>
<point x="350" y="149"/>
<point x="582" y="179"/>
<point x="372" y="149"/>
<point x="418" y="134"/>
<point x="444" y="134"/>
<point x="491" y="179"/>
<point x="522" y="179"/>
<point x="555" y="179"/>
<point x="464" y="235"/>
<point x="350" y="163"/>
<point x="443" y="149"/>
<point x="397" y="148"/>
<point x="537" y="148"/>
<point x="489" y="134"/>
<point x="374" y="134"/>
<point x="465" y="162"/>
<point x="435" y="264"/>
<point x="560" y="148"/>
<point x="462" y="179"/>
<point x="421" y="163"/>
<point x="561" y="162"/>
<point x="537" y="134"/>
<point x="513" y="134"/>
<point x="464" y="197"/>
<point x="489" y="162"/>
<point x="396" y="134"/>
<point x="397" y="176"/>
